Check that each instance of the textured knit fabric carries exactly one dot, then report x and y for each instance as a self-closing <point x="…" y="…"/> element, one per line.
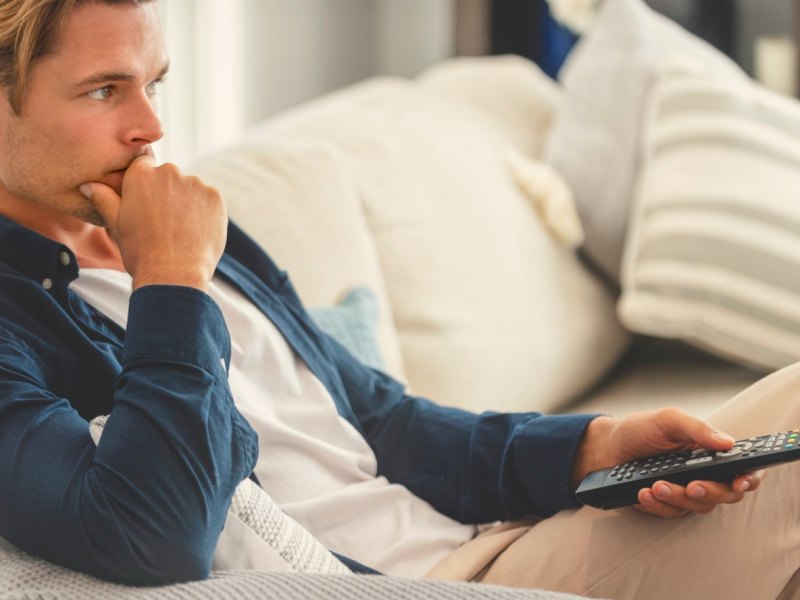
<point x="293" y="543"/>
<point x="23" y="577"/>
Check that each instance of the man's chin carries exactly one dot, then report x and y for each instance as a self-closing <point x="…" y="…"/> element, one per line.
<point x="91" y="216"/>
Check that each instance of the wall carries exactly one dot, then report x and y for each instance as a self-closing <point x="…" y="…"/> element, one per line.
<point x="761" y="17"/>
<point x="235" y="62"/>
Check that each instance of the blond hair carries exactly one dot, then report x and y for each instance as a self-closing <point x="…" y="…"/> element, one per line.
<point x="27" y="32"/>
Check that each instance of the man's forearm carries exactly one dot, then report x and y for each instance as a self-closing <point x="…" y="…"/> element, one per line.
<point x="147" y="505"/>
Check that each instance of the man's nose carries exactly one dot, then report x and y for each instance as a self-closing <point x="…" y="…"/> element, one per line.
<point x="144" y="126"/>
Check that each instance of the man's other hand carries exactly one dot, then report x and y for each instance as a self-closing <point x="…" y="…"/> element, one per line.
<point x="610" y="442"/>
<point x="171" y="229"/>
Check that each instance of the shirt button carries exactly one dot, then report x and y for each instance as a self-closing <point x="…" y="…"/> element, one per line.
<point x="47" y="284"/>
<point x="64" y="259"/>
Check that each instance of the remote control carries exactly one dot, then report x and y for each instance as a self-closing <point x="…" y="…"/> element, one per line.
<point x="619" y="486"/>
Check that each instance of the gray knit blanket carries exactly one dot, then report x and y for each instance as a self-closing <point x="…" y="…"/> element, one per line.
<point x="316" y="573"/>
<point x="23" y="577"/>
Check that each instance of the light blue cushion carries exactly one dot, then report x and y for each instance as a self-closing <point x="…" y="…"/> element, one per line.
<point x="352" y="323"/>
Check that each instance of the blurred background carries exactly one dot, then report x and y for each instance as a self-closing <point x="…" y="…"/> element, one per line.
<point x="237" y="62"/>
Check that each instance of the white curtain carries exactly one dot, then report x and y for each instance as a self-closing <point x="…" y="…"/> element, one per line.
<point x="202" y="101"/>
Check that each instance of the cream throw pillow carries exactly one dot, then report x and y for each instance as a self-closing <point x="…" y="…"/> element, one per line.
<point x="493" y="312"/>
<point x="713" y="255"/>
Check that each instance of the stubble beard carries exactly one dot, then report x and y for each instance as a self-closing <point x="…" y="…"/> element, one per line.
<point x="30" y="184"/>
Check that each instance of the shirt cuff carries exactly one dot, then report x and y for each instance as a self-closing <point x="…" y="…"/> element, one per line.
<point x="545" y="448"/>
<point x="178" y="324"/>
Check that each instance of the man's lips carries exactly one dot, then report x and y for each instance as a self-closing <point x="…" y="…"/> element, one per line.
<point x="114" y="179"/>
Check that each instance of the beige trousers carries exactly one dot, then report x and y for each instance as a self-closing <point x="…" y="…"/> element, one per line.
<point x="749" y="550"/>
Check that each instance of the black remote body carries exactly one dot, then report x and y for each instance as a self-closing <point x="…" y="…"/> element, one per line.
<point x="619" y="486"/>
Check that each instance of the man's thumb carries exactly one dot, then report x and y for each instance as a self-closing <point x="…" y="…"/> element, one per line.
<point x="105" y="200"/>
<point x="718" y="440"/>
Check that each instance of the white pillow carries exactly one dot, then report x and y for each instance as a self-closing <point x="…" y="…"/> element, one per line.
<point x="300" y="202"/>
<point x="514" y="90"/>
<point x="595" y="140"/>
<point x="492" y="311"/>
<point x="713" y="254"/>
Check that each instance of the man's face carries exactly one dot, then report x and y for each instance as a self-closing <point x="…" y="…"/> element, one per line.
<point x="88" y="112"/>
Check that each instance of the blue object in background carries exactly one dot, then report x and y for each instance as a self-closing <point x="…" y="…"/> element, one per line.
<point x="554" y="41"/>
<point x="525" y="27"/>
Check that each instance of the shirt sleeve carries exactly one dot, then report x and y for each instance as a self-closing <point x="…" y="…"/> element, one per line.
<point x="475" y="468"/>
<point x="147" y="505"/>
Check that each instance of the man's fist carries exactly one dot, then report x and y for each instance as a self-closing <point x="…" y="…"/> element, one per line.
<point x="170" y="228"/>
<point x="608" y="442"/>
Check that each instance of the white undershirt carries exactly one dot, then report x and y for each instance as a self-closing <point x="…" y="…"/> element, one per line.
<point x="313" y="463"/>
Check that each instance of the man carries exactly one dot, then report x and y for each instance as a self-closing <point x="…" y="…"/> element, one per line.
<point x="124" y="291"/>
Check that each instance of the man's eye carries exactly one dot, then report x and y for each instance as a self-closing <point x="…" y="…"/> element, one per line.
<point x="103" y="93"/>
<point x="152" y="87"/>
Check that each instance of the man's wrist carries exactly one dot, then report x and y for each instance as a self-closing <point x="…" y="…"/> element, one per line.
<point x="184" y="279"/>
<point x="593" y="451"/>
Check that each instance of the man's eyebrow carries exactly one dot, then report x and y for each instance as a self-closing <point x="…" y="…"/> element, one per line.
<point x="112" y="76"/>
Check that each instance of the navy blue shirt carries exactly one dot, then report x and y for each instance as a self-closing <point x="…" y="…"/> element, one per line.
<point x="147" y="505"/>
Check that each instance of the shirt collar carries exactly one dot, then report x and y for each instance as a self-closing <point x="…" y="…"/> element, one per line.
<point x="35" y="257"/>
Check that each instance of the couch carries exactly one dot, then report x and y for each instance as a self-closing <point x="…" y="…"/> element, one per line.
<point x="466" y="201"/>
<point x="500" y="241"/>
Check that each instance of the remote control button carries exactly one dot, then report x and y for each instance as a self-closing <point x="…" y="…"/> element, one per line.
<point x="789" y="446"/>
<point x="696" y="461"/>
<point x="731" y="452"/>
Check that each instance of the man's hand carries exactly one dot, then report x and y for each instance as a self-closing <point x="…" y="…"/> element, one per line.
<point x="170" y="229"/>
<point x="610" y="442"/>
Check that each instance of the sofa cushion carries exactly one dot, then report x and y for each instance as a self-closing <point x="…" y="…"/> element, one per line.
<point x="510" y="86"/>
<point x="713" y="254"/>
<point x="595" y="139"/>
<point x="492" y="311"/>
<point x="298" y="200"/>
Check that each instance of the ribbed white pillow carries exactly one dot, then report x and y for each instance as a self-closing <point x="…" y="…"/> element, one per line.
<point x="595" y="139"/>
<point x="713" y="254"/>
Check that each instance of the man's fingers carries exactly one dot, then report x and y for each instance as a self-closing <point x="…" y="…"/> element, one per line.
<point x="681" y="426"/>
<point x="649" y="503"/>
<point x="145" y="160"/>
<point x="749" y="482"/>
<point x="105" y="200"/>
